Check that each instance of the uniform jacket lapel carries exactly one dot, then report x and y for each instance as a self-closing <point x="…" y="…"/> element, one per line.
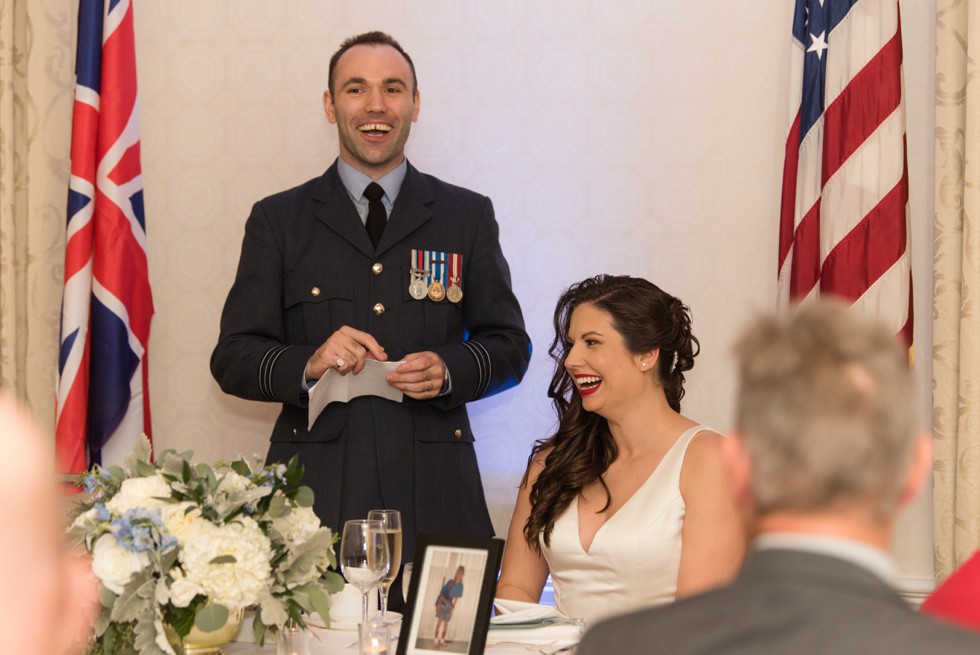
<point x="335" y="210"/>
<point x="412" y="209"/>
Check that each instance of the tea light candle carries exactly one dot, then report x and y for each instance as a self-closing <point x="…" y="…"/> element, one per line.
<point x="374" y="646"/>
<point x="375" y="637"/>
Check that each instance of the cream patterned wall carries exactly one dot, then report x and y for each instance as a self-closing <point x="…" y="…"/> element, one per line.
<point x="629" y="136"/>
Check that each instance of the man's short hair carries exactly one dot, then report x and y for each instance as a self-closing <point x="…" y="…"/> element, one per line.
<point x="370" y="38"/>
<point x="826" y="410"/>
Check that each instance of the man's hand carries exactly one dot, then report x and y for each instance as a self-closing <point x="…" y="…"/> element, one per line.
<point x="345" y="351"/>
<point x="420" y="375"/>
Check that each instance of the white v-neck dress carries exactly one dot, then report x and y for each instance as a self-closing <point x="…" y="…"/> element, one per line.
<point x="634" y="557"/>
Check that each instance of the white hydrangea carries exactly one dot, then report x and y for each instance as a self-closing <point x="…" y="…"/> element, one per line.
<point x="115" y="565"/>
<point x="234" y="585"/>
<point x="140" y="492"/>
<point x="298" y="526"/>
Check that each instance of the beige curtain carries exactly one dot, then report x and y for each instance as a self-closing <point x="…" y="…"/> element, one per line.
<point x="36" y="73"/>
<point x="956" y="302"/>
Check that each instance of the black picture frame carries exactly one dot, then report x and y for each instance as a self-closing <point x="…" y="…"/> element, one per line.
<point x="437" y="583"/>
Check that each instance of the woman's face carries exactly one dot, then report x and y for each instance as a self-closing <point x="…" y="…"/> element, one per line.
<point x="607" y="376"/>
<point x="459" y="576"/>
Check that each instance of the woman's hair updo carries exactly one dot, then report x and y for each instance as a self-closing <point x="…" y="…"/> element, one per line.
<point x="647" y="317"/>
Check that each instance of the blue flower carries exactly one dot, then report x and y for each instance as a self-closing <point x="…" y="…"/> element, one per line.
<point x="101" y="512"/>
<point x="138" y="530"/>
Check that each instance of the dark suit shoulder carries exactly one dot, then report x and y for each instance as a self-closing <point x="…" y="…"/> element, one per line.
<point x="759" y="615"/>
<point x="441" y="188"/>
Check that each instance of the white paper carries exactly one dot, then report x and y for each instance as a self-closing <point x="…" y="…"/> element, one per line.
<point x="334" y="387"/>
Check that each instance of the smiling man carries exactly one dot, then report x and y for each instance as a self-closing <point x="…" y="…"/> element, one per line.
<point x="375" y="260"/>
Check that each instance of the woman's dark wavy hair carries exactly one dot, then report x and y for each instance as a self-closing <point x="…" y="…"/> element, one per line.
<point x="582" y="448"/>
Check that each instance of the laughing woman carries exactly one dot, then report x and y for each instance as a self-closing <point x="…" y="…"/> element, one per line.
<point x="627" y="505"/>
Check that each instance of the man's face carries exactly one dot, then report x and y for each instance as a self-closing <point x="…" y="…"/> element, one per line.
<point x="373" y="105"/>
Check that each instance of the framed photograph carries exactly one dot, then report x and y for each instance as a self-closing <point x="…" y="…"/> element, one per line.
<point x="449" y="595"/>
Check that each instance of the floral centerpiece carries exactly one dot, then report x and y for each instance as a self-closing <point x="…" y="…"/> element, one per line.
<point x="187" y="545"/>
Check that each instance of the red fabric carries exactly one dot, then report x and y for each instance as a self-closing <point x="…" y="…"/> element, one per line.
<point x="957" y="599"/>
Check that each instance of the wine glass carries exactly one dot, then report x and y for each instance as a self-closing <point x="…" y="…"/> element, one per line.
<point x="363" y="557"/>
<point x="391" y="520"/>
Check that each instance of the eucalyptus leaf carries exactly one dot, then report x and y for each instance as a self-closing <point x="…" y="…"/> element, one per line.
<point x="106" y="597"/>
<point x="321" y="603"/>
<point x="333" y="583"/>
<point x="241" y="468"/>
<point x="304" y="497"/>
<point x="258" y="630"/>
<point x="211" y="617"/>
<point x="277" y="507"/>
<point x="224" y="559"/>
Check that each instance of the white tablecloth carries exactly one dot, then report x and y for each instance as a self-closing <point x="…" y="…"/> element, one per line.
<point x="342" y="642"/>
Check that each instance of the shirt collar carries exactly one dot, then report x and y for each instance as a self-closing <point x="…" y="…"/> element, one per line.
<point x="872" y="559"/>
<point x="355" y="181"/>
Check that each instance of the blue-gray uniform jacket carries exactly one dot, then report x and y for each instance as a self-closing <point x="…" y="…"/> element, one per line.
<point x="308" y="268"/>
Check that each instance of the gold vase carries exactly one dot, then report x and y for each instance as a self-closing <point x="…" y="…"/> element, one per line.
<point x="198" y="642"/>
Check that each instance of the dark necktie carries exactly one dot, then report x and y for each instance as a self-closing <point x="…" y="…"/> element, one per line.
<point x="377" y="217"/>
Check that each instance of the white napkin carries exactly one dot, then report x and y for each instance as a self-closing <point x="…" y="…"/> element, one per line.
<point x="531" y="623"/>
<point x="517" y="611"/>
<point x="334" y="387"/>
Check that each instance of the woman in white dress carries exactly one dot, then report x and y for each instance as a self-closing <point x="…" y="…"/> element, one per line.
<point x="627" y="505"/>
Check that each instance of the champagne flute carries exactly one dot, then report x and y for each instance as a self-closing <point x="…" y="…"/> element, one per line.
<point x="391" y="520"/>
<point x="364" y="557"/>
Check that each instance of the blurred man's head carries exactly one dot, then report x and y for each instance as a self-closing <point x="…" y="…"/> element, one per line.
<point x="44" y="599"/>
<point x="826" y="415"/>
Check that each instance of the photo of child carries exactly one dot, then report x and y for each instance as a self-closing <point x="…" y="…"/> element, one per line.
<point x="446" y="614"/>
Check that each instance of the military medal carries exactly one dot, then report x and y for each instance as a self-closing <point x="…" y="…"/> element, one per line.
<point x="455" y="293"/>
<point x="437" y="289"/>
<point x="417" y="288"/>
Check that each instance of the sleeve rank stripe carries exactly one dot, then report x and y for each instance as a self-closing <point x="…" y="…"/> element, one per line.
<point x="484" y="366"/>
<point x="266" y="367"/>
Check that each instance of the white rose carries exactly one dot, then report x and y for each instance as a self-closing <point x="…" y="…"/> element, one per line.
<point x="140" y="492"/>
<point x="114" y="565"/>
<point x="177" y="517"/>
<point x="182" y="592"/>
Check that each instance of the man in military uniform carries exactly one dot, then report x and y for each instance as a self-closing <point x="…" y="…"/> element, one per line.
<point x="376" y="261"/>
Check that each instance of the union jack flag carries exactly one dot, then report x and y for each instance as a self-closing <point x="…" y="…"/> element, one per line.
<point x="844" y="218"/>
<point x="103" y="403"/>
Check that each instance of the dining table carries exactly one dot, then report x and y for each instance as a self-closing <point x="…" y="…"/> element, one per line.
<point x="344" y="642"/>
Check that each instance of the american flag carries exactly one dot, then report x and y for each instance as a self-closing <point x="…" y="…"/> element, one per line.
<point x="103" y="403"/>
<point x="843" y="226"/>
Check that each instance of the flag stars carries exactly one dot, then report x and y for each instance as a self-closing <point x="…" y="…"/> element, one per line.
<point x="818" y="44"/>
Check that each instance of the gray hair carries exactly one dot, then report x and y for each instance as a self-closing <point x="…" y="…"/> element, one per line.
<point x="826" y="410"/>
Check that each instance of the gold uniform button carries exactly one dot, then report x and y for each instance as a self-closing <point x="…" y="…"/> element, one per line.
<point x="377" y="269"/>
<point x="379" y="309"/>
<point x="315" y="291"/>
<point x="458" y="433"/>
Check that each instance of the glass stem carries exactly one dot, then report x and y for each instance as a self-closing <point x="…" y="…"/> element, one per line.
<point x="384" y="602"/>
<point x="364" y="605"/>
